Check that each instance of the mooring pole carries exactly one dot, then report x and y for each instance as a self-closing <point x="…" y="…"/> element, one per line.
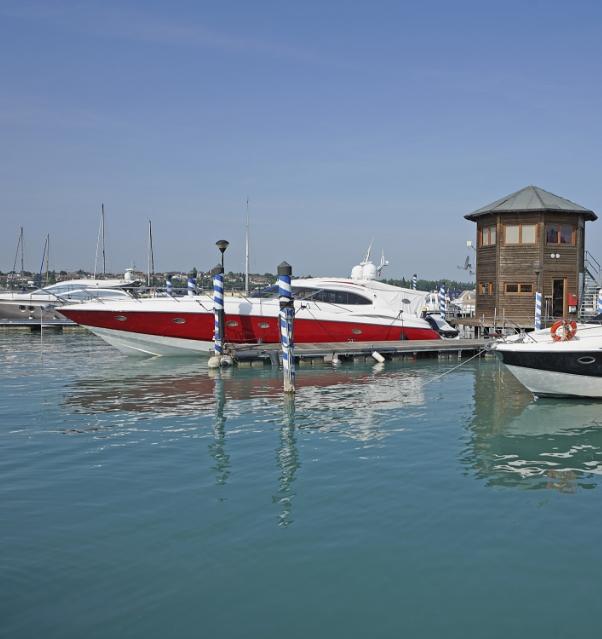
<point x="442" y="304"/>
<point x="191" y="286"/>
<point x="537" y="311"/>
<point x="599" y="304"/>
<point x="218" y="308"/>
<point x="286" y="320"/>
<point x="169" y="286"/>
<point x="414" y="281"/>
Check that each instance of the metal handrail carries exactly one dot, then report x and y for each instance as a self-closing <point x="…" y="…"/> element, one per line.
<point x="589" y="258"/>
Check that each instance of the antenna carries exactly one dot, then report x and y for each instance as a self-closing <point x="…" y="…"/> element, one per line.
<point x="367" y="258"/>
<point x="382" y="264"/>
<point x="247" y="252"/>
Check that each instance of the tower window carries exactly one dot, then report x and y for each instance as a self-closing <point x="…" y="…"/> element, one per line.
<point x="487" y="235"/>
<point x="520" y="233"/>
<point x="560" y="234"/>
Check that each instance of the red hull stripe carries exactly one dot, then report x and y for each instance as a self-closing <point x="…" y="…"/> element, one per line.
<point x="243" y="328"/>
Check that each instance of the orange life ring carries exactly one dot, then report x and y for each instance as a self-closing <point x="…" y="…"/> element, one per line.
<point x="568" y="330"/>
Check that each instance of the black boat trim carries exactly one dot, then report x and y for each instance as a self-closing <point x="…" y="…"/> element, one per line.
<point x="573" y="363"/>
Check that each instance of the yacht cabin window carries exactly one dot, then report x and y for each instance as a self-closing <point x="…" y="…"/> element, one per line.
<point x="328" y="296"/>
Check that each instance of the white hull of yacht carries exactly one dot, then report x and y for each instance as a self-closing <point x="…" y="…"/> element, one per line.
<point x="555" y="384"/>
<point x="144" y="345"/>
<point x="549" y="368"/>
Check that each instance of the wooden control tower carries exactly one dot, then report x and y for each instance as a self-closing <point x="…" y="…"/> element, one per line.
<point x="529" y="241"/>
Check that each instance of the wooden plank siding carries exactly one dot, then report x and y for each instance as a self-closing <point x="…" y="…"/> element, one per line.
<point x="506" y="263"/>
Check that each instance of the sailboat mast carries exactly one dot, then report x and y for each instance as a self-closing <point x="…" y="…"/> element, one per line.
<point x="104" y="261"/>
<point x="19" y="244"/>
<point x="44" y="259"/>
<point x="21" y="239"/>
<point x="97" y="247"/>
<point x="47" y="257"/>
<point x="151" y="256"/>
<point x="247" y="252"/>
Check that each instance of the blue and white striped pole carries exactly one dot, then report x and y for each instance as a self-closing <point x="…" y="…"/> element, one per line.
<point x="414" y="281"/>
<point x="599" y="304"/>
<point x="169" y="286"/>
<point x="218" y="309"/>
<point x="538" y="304"/>
<point x="191" y="286"/>
<point x="286" y="321"/>
<point x="442" y="302"/>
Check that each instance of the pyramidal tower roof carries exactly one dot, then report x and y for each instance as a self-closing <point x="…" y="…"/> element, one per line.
<point x="532" y="199"/>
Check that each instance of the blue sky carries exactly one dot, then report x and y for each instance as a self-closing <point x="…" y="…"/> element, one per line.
<point x="340" y="121"/>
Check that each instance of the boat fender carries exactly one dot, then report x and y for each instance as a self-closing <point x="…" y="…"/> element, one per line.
<point x="568" y="330"/>
<point x="378" y="357"/>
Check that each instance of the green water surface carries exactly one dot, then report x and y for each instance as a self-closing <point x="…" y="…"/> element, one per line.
<point x="154" y="498"/>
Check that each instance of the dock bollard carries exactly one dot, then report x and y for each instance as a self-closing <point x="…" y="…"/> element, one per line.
<point x="537" y="311"/>
<point x="218" y="359"/>
<point x="286" y="321"/>
<point x="599" y="304"/>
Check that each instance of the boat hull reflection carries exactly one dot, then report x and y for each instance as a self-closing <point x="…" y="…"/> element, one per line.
<point x="519" y="442"/>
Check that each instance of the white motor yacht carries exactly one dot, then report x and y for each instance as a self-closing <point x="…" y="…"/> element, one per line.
<point x="356" y="309"/>
<point x="45" y="302"/>
<point x="562" y="361"/>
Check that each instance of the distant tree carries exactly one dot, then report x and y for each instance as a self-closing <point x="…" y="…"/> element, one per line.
<point x="431" y="285"/>
<point x="193" y="272"/>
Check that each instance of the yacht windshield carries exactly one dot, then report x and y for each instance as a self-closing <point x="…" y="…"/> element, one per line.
<point x="266" y="292"/>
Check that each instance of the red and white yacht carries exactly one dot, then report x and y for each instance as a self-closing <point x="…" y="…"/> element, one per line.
<point x="356" y="309"/>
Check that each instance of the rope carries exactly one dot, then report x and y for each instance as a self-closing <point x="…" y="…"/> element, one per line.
<point x="433" y="379"/>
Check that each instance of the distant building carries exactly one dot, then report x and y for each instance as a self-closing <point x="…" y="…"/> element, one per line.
<point x="528" y="241"/>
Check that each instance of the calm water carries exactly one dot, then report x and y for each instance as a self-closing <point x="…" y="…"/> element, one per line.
<point x="155" y="499"/>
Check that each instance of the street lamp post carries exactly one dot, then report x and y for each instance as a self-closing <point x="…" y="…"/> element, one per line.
<point x="219" y="359"/>
<point x="222" y="245"/>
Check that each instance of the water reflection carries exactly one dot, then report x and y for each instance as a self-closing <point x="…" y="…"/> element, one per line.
<point x="513" y="440"/>
<point x="287" y="457"/>
<point x="518" y="442"/>
<point x="217" y="448"/>
<point x="355" y="402"/>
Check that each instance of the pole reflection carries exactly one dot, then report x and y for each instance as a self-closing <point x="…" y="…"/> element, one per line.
<point x="287" y="457"/>
<point x="217" y="448"/>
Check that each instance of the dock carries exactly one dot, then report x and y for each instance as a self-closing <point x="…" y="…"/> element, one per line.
<point x="331" y="352"/>
<point x="35" y="324"/>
